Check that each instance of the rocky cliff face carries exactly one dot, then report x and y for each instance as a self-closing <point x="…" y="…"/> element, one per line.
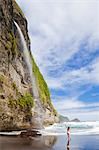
<point x="16" y="100"/>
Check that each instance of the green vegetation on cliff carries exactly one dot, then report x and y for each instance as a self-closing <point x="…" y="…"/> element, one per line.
<point x="26" y="101"/>
<point x="11" y="44"/>
<point x="42" y="87"/>
<point x="23" y="102"/>
<point x="1" y="78"/>
<point x="17" y="8"/>
<point x="1" y="82"/>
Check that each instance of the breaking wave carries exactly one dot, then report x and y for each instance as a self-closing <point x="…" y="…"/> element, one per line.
<point x="77" y="128"/>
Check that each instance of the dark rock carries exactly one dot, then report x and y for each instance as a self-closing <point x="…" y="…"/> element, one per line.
<point x="30" y="133"/>
<point x="75" y="120"/>
<point x="63" y="119"/>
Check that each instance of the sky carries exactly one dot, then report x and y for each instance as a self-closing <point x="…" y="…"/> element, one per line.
<point x="65" y="44"/>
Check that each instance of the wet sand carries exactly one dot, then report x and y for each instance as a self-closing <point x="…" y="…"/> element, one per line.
<point x="30" y="143"/>
<point x="78" y="142"/>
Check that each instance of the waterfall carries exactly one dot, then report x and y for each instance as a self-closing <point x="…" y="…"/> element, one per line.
<point x="28" y="62"/>
<point x="38" y="106"/>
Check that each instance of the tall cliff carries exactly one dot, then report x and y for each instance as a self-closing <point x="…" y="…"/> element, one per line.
<point x="17" y="105"/>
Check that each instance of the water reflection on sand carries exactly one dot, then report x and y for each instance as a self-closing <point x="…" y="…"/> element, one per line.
<point x="17" y="143"/>
<point x="68" y="144"/>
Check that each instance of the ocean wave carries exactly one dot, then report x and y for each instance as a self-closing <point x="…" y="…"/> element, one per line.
<point x="77" y="128"/>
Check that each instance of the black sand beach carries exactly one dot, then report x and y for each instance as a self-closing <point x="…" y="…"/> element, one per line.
<point x="78" y="142"/>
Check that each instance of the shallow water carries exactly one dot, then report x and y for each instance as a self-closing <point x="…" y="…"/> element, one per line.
<point x="78" y="142"/>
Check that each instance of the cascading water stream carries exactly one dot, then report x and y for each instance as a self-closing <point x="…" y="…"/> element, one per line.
<point x="28" y="62"/>
<point x="38" y="105"/>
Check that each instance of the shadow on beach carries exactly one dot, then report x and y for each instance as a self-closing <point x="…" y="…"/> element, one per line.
<point x="37" y="143"/>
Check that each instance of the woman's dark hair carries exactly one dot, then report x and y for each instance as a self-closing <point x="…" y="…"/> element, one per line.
<point x="68" y="128"/>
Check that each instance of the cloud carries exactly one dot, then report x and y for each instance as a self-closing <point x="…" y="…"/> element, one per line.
<point x="68" y="104"/>
<point x="95" y="94"/>
<point x="77" y="77"/>
<point x="72" y="103"/>
<point x="77" y="109"/>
